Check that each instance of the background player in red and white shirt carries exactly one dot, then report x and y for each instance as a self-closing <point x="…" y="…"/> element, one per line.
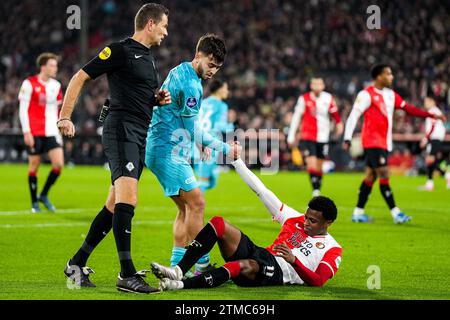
<point x="313" y="110"/>
<point x="40" y="97"/>
<point x="377" y="104"/>
<point x="434" y="135"/>
<point x="302" y="253"/>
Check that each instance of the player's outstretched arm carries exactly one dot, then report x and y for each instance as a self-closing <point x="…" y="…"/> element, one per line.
<point x="361" y="104"/>
<point x="277" y="209"/>
<point x="74" y="88"/>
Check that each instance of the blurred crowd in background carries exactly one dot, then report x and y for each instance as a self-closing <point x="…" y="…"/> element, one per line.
<point x="274" y="47"/>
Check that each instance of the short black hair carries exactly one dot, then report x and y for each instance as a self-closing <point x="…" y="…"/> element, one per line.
<point x="216" y="84"/>
<point x="149" y="11"/>
<point x="324" y="205"/>
<point x="378" y="69"/>
<point x="212" y="44"/>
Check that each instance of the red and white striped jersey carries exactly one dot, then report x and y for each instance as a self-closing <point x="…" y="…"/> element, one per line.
<point x="39" y="106"/>
<point x="314" y="114"/>
<point x="435" y="128"/>
<point x="310" y="251"/>
<point x="378" y="108"/>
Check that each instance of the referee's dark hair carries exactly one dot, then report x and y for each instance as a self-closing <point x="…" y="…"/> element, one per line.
<point x="212" y="44"/>
<point x="215" y="85"/>
<point x="324" y="205"/>
<point x="149" y="11"/>
<point x="43" y="58"/>
<point x="378" y="69"/>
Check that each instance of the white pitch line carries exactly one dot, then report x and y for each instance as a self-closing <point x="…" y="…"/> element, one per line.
<point x="95" y="210"/>
<point x="139" y="222"/>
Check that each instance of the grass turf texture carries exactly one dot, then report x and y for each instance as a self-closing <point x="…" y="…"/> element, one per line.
<point x="34" y="248"/>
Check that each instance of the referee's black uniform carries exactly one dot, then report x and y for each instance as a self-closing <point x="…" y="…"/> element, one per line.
<point x="133" y="81"/>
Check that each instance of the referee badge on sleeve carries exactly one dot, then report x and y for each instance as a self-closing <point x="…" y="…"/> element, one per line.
<point x="105" y="53"/>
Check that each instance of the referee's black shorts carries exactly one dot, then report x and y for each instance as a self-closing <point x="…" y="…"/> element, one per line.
<point x="270" y="273"/>
<point x="124" y="141"/>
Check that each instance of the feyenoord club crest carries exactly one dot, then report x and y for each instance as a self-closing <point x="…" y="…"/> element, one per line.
<point x="320" y="245"/>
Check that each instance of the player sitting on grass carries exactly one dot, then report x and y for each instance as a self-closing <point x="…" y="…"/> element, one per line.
<point x="303" y="252"/>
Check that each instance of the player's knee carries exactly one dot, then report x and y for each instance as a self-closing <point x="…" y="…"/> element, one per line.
<point x="129" y="199"/>
<point x="58" y="166"/>
<point x="33" y="166"/>
<point x="197" y="204"/>
<point x="371" y="176"/>
<point x="429" y="160"/>
<point x="383" y="173"/>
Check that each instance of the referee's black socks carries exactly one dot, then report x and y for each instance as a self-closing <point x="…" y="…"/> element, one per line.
<point x="99" y="229"/>
<point x="121" y="225"/>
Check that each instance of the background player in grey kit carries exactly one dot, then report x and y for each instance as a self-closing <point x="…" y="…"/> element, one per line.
<point x="133" y="83"/>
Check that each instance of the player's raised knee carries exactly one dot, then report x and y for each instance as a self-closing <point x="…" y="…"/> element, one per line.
<point x="197" y="204"/>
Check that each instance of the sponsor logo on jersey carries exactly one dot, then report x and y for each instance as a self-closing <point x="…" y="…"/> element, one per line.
<point x="320" y="245"/>
<point x="191" y="102"/>
<point x="105" y="53"/>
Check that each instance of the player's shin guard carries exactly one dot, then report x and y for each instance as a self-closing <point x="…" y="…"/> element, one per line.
<point x="364" y="191"/>
<point x="51" y="179"/>
<point x="32" y="183"/>
<point x="100" y="227"/>
<point x="215" y="277"/>
<point x="386" y="191"/>
<point x="203" y="243"/>
<point x="123" y="214"/>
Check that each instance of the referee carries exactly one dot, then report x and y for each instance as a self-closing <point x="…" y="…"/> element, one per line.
<point x="133" y="84"/>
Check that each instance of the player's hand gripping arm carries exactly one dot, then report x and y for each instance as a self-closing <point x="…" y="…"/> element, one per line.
<point x="313" y="278"/>
<point x="74" y="88"/>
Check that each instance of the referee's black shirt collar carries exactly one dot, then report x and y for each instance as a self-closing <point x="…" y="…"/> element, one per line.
<point x="137" y="43"/>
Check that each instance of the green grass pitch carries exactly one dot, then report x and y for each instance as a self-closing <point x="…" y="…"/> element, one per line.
<point x="413" y="259"/>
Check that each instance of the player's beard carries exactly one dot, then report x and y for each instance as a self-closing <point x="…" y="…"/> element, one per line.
<point x="201" y="71"/>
